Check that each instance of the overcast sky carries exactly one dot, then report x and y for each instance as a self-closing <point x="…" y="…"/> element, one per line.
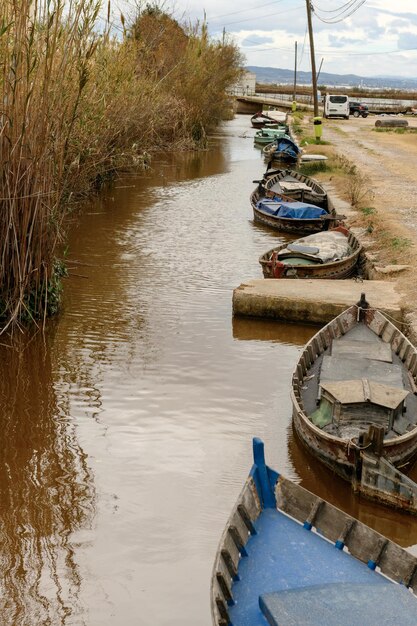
<point x="364" y="37"/>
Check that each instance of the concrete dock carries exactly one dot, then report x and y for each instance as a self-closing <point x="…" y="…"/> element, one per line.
<point x="315" y="301"/>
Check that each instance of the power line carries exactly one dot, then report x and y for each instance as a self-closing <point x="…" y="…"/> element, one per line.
<point x="255" y="8"/>
<point x="250" y="19"/>
<point x="345" y="53"/>
<point x="350" y="6"/>
<point x="304" y="43"/>
<point x="334" y="10"/>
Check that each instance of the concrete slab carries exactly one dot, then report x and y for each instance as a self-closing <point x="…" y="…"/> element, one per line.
<point x="315" y="301"/>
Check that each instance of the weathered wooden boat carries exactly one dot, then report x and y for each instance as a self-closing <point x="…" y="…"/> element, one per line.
<point x="282" y="149"/>
<point x="299" y="186"/>
<point x="268" y="135"/>
<point x="355" y="405"/>
<point x="283" y="212"/>
<point x="327" y="254"/>
<point x="264" y="118"/>
<point x="288" y="557"/>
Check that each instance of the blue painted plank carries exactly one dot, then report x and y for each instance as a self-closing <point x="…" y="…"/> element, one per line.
<point x="341" y="604"/>
<point x="283" y="555"/>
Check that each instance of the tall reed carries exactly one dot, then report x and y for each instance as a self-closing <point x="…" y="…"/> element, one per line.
<point x="45" y="49"/>
<point x="76" y="105"/>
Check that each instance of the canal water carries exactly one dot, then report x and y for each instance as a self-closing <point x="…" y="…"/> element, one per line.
<point x="126" y="427"/>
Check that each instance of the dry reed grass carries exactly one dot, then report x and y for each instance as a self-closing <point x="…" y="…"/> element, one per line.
<point x="76" y="105"/>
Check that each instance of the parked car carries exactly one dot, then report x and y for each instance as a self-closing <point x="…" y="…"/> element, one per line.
<point x="358" y="109"/>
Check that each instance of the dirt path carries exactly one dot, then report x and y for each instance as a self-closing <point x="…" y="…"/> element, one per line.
<point x="389" y="162"/>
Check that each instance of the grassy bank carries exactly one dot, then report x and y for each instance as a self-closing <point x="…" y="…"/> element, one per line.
<point x="76" y="105"/>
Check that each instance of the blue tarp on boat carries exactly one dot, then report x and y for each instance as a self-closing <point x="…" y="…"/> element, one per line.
<point x="298" y="210"/>
<point x="286" y="147"/>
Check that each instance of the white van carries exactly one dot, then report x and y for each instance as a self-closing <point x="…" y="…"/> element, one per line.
<point x="336" y="106"/>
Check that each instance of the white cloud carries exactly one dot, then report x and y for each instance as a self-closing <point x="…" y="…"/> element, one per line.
<point x="377" y="39"/>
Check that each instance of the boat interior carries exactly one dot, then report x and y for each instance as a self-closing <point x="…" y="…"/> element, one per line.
<point x="298" y="188"/>
<point x="358" y="381"/>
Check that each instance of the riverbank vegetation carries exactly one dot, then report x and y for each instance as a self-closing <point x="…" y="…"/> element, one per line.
<point x="77" y="104"/>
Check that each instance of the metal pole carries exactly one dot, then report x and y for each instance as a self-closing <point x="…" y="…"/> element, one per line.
<point x="313" y="61"/>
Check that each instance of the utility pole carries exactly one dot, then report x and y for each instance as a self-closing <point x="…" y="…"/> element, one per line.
<point x="313" y="61"/>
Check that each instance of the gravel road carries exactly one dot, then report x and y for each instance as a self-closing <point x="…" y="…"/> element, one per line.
<point x="388" y="159"/>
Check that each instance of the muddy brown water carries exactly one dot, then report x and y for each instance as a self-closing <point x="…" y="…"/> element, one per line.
<point x="126" y="428"/>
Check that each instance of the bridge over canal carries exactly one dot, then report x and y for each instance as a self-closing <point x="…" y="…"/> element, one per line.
<point x="255" y="102"/>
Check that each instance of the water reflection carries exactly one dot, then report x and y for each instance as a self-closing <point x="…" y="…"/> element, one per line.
<point x="46" y="490"/>
<point x="315" y="477"/>
<point x="249" y="329"/>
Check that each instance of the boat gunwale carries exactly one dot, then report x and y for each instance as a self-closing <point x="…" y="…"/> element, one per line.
<point x="248" y="487"/>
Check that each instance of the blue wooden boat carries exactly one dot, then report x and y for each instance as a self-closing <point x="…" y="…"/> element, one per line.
<point x="282" y="149"/>
<point x="290" y="558"/>
<point x="284" y="213"/>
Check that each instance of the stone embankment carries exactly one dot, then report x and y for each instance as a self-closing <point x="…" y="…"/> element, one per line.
<point x="386" y="227"/>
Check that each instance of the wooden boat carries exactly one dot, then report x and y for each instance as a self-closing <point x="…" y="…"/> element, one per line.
<point x="268" y="135"/>
<point x="265" y="118"/>
<point x="288" y="557"/>
<point x="285" y="213"/>
<point x="328" y="254"/>
<point x="282" y="149"/>
<point x="261" y="120"/>
<point x="355" y="405"/>
<point x="299" y="186"/>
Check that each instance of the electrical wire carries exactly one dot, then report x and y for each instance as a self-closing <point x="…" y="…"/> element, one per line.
<point x="343" y="52"/>
<point x="350" y="6"/>
<point x="334" y="10"/>
<point x="303" y="48"/>
<point x="216" y="17"/>
<point x="250" y="19"/>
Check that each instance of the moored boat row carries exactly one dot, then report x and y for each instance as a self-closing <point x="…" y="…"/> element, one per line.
<point x="354" y="398"/>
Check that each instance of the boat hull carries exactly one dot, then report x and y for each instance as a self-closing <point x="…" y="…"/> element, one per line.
<point x="290" y="225"/>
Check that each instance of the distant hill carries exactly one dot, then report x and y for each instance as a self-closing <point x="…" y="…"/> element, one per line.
<point x="276" y="75"/>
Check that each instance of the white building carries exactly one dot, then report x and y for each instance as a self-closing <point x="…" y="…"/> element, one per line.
<point x="246" y="85"/>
